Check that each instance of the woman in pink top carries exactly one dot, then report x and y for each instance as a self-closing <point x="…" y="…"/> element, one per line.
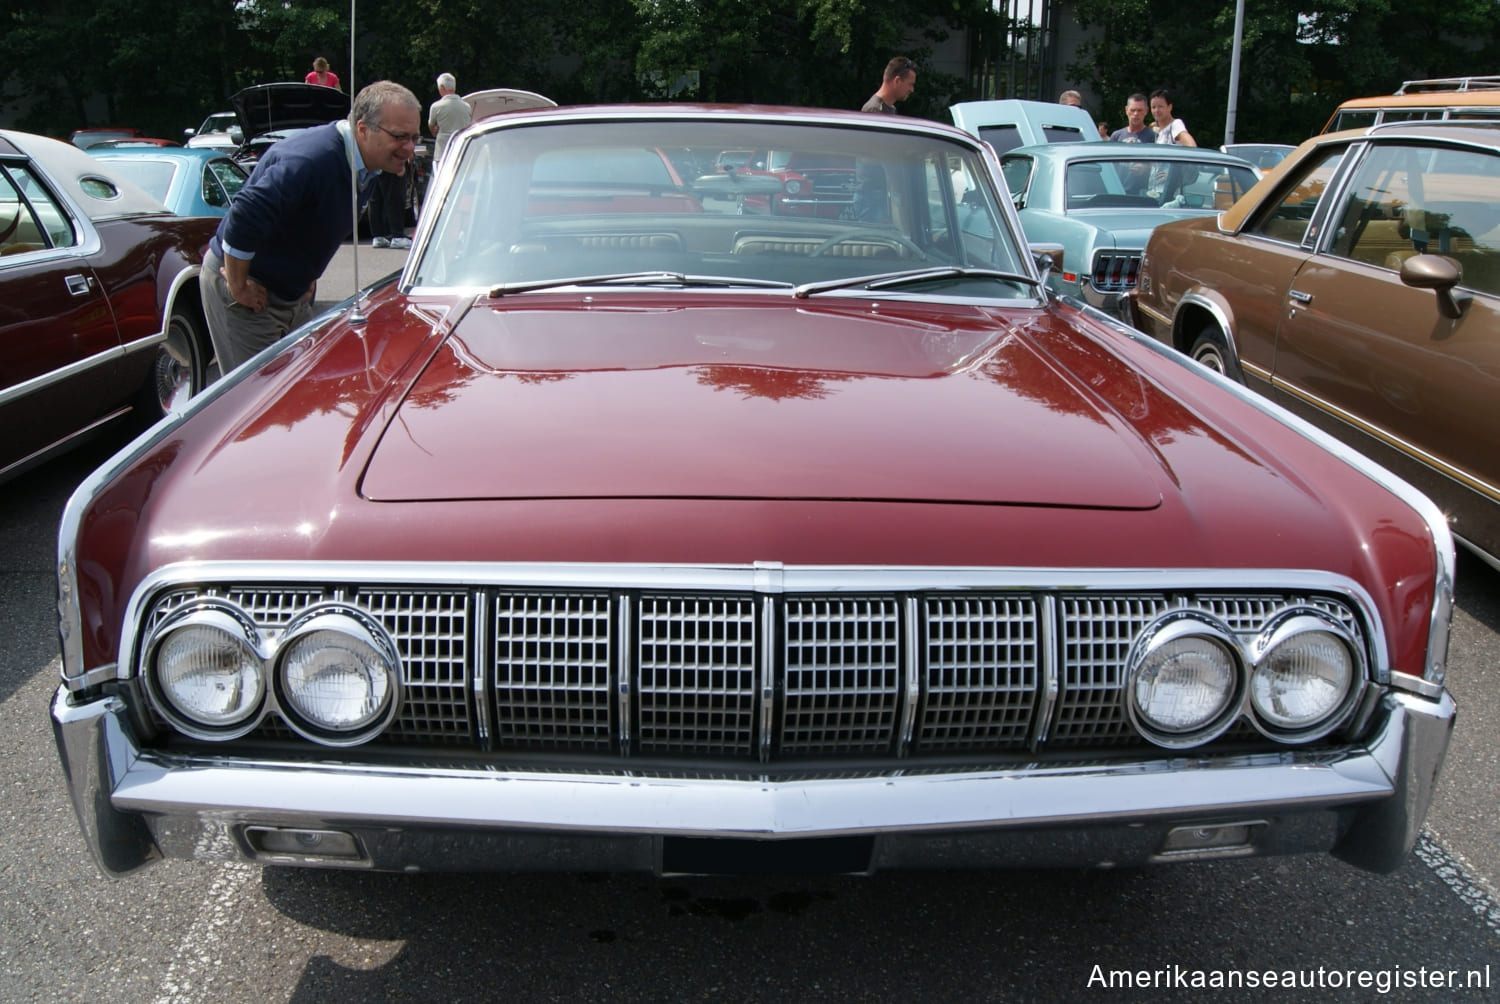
<point x="322" y="75"/>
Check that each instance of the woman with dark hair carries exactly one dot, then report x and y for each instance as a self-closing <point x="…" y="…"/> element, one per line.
<point x="1169" y="129"/>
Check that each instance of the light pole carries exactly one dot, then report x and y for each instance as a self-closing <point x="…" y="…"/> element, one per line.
<point x="1234" y="71"/>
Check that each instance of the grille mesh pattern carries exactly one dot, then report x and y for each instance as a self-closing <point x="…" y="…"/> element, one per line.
<point x="843" y="675"/>
<point x="697" y="675"/>
<point x="552" y="670"/>
<point x="981" y="673"/>
<point x="1097" y="632"/>
<point x="677" y="675"/>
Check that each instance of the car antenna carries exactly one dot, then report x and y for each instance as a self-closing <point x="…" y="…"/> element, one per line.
<point x="356" y="308"/>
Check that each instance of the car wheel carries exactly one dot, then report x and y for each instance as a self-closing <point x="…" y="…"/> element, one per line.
<point x="1211" y="351"/>
<point x="180" y="367"/>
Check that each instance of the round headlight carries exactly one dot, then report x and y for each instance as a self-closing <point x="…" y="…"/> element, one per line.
<point x="207" y="673"/>
<point x="793" y="186"/>
<point x="1184" y="683"/>
<point x="1304" y="677"/>
<point x="337" y="679"/>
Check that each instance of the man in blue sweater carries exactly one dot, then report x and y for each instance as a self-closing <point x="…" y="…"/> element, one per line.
<point x="285" y="225"/>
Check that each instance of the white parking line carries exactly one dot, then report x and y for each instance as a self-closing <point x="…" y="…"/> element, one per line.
<point x="1455" y="871"/>
<point x="187" y="979"/>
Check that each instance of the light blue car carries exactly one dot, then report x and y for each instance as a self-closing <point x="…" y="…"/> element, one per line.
<point x="190" y="181"/>
<point x="1100" y="202"/>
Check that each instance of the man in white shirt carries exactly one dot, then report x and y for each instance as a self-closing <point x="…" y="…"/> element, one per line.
<point x="447" y="116"/>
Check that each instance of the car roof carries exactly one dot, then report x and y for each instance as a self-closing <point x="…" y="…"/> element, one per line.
<point x="69" y="168"/>
<point x="1117" y="151"/>
<point x="160" y="153"/>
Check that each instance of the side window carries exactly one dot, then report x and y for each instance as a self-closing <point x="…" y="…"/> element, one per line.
<point x="47" y="212"/>
<point x="1352" y="120"/>
<point x="1017" y="171"/>
<point x="1288" y="220"/>
<point x="20" y="230"/>
<point x="1457" y="213"/>
<point x="213" y="193"/>
<point x="230" y="177"/>
<point x="1373" y="227"/>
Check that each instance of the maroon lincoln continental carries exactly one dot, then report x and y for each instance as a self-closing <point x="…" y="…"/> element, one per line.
<point x="99" y="311"/>
<point x="635" y="527"/>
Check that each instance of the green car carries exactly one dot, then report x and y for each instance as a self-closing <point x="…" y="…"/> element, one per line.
<point x="1100" y="202"/>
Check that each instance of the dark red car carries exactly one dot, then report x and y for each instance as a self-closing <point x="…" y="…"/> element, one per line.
<point x="610" y="536"/>
<point x="99" y="311"/>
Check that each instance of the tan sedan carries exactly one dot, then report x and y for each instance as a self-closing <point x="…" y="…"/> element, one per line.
<point x="1359" y="285"/>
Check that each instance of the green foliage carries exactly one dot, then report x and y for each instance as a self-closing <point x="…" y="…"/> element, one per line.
<point x="162" y="66"/>
<point x="1298" y="60"/>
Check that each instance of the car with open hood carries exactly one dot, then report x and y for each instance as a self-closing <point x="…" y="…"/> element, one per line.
<point x="269" y="112"/>
<point x="1007" y="123"/>
<point x="100" y="320"/>
<point x="632" y="526"/>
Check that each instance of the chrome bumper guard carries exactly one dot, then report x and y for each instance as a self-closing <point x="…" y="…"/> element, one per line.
<point x="1365" y="803"/>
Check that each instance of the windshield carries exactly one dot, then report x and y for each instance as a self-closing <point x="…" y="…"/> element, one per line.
<point x="694" y="200"/>
<point x="1141" y="182"/>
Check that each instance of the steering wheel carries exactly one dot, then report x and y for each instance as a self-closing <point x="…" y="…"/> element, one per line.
<point x="872" y="237"/>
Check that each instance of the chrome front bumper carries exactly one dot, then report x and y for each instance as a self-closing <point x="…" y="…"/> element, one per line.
<point x="1365" y="804"/>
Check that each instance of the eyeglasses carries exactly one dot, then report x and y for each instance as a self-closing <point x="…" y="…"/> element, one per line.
<point x="401" y="137"/>
<point x="906" y="64"/>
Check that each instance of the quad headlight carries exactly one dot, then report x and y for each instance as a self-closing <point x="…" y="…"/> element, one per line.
<point x="1185" y="680"/>
<point x="207" y="672"/>
<point x="337" y="676"/>
<point x="333" y="674"/>
<point x="1189" y="677"/>
<point x="1306" y="670"/>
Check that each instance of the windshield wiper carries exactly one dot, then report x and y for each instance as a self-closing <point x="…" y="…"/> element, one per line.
<point x="633" y="278"/>
<point x="890" y="280"/>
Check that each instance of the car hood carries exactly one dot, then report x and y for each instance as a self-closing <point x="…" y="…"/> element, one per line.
<point x="621" y="401"/>
<point x="268" y="107"/>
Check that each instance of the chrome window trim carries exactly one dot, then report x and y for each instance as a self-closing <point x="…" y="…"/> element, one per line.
<point x="1444" y="556"/>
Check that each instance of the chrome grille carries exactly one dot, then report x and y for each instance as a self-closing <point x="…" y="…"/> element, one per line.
<point x="982" y="670"/>
<point x="696" y="680"/>
<point x="752" y="676"/>
<point x="843" y="675"/>
<point x="552" y="661"/>
<point x="1097" y="632"/>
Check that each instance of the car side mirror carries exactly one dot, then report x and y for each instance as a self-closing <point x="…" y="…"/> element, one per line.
<point x="190" y="132"/>
<point x="236" y="135"/>
<point x="1439" y="274"/>
<point x="1048" y="258"/>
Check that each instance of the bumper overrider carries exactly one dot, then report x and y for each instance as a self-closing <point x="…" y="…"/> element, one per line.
<point x="1363" y="802"/>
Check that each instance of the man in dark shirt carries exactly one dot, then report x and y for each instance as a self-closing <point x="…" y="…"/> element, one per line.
<point x="899" y="81"/>
<point x="1136" y="130"/>
<point x="286" y="223"/>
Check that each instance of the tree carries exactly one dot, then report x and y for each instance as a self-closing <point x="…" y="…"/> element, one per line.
<point x="1298" y="60"/>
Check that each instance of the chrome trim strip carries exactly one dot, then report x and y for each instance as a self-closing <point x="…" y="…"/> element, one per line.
<point x="1051" y="659"/>
<point x="1417" y="685"/>
<point x="62" y="444"/>
<point x="1389" y="439"/>
<point x="484" y="658"/>
<point x="768" y="636"/>
<point x="623" y="661"/>
<point x="125" y="780"/>
<point x="1444" y="556"/>
<point x="911" y="614"/>
<point x="38" y="383"/>
<point x="1204" y="303"/>
<point x="828" y="579"/>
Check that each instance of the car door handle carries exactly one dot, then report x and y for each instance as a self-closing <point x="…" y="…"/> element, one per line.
<point x="78" y="285"/>
<point x="1302" y="298"/>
